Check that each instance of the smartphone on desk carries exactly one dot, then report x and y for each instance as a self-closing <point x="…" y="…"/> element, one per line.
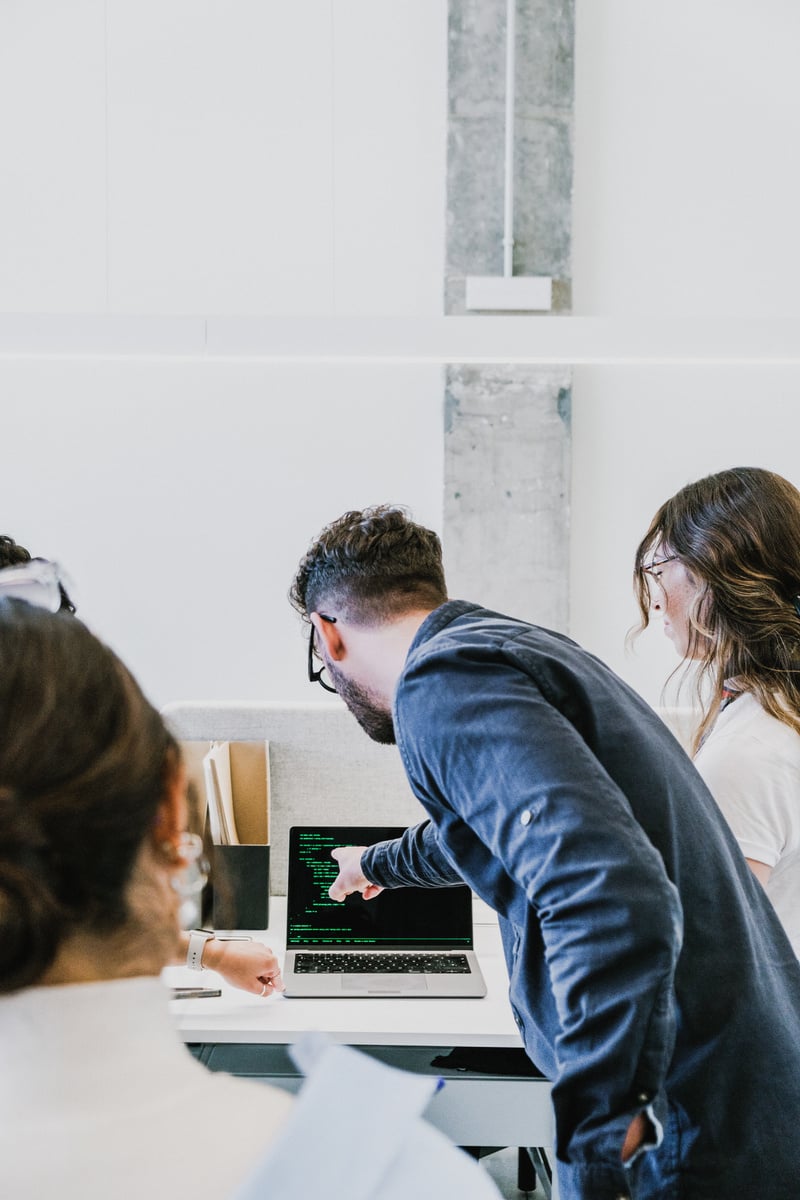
<point x="195" y="993"/>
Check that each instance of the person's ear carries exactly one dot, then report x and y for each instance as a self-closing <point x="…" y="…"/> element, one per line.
<point x="329" y="637"/>
<point x="173" y="811"/>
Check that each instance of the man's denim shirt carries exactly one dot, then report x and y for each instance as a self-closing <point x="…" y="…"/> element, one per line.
<point x="648" y="972"/>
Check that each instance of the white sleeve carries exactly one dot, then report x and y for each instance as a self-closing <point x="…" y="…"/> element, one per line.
<point x="753" y="788"/>
<point x="356" y="1130"/>
<point x="429" y="1167"/>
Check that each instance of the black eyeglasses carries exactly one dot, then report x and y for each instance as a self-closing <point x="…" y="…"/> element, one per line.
<point x="315" y="676"/>
<point x="650" y="568"/>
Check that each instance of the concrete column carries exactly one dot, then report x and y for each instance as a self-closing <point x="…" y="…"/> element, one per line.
<point x="543" y="143"/>
<point x="506" y="504"/>
<point x="507" y="428"/>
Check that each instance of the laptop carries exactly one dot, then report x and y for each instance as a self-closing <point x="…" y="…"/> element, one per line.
<point x="408" y="941"/>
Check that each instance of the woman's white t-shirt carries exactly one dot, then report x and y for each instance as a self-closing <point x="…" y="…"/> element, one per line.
<point x="100" y="1099"/>
<point x="751" y="764"/>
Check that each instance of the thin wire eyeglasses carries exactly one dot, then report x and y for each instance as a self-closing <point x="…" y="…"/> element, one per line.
<point x="650" y="568"/>
<point x="191" y="878"/>
<point x="315" y="676"/>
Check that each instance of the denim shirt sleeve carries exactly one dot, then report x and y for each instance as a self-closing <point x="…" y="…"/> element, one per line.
<point x="535" y="821"/>
<point x="415" y="859"/>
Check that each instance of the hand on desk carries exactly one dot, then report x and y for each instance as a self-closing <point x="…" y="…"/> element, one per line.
<point x="351" y="878"/>
<point x="250" y="966"/>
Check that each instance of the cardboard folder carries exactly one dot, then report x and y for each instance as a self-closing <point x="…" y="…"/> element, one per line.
<point x="231" y="783"/>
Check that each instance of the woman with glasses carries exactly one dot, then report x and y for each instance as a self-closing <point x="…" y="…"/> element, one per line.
<point x="720" y="564"/>
<point x="98" y="1097"/>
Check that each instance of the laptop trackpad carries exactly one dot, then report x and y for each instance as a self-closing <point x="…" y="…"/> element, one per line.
<point x="384" y="984"/>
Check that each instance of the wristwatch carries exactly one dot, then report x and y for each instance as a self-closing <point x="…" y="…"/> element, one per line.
<point x="197" y="944"/>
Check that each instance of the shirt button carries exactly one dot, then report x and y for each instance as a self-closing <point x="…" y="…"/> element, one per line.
<point x="525" y="817"/>
<point x="643" y="1098"/>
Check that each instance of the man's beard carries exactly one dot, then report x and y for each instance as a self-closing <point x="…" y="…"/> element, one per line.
<point x="374" y="720"/>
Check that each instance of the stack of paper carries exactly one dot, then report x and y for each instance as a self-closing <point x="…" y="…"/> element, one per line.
<point x="219" y="793"/>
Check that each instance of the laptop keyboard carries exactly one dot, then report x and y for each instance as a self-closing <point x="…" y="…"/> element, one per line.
<point x="381" y="964"/>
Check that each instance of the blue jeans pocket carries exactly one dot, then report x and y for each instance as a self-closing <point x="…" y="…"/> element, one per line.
<point x="657" y="1174"/>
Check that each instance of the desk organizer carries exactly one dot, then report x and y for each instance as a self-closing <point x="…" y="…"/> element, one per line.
<point x="241" y="887"/>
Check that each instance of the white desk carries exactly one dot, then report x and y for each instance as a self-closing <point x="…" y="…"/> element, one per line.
<point x="248" y="1035"/>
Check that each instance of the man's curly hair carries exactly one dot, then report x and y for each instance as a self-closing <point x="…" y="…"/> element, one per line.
<point x="371" y="566"/>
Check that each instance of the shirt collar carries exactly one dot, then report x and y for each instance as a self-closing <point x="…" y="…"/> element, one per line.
<point x="440" y="618"/>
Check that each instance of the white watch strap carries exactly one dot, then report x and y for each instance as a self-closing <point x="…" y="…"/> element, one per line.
<point x="197" y="944"/>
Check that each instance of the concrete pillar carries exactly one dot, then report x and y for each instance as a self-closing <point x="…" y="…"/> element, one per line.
<point x="507" y="428"/>
<point x="543" y="143"/>
<point x="506" y="504"/>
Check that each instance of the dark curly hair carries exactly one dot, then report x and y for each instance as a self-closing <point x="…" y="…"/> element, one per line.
<point x="85" y="761"/>
<point x="11" y="553"/>
<point x="371" y="566"/>
<point x="738" y="535"/>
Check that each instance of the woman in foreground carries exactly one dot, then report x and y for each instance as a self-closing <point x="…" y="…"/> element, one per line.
<point x="98" y="1096"/>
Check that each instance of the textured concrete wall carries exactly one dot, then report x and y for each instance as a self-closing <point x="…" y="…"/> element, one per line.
<point x="543" y="143"/>
<point x="507" y="428"/>
<point x="506" y="506"/>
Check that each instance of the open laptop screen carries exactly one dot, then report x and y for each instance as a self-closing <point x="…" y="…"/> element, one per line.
<point x="408" y="917"/>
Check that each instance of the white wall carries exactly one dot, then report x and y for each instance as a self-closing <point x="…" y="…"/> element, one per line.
<point x="252" y="156"/>
<point x="687" y="190"/>
<point x="686" y="185"/>
<point x="257" y="158"/>
<point x="178" y="158"/>
<point x="181" y="497"/>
